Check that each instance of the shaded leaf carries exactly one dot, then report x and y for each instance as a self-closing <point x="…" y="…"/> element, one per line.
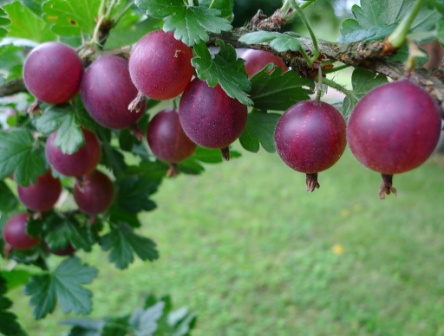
<point x="122" y="243"/>
<point x="19" y="155"/>
<point x="278" y="41"/>
<point x="272" y="90"/>
<point x="9" y="325"/>
<point x="224" y="69"/>
<point x="8" y="201"/>
<point x="260" y="129"/>
<point x="4" y="22"/>
<point x="65" y="286"/>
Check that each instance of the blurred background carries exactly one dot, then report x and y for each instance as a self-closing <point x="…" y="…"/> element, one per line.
<point x="247" y="248"/>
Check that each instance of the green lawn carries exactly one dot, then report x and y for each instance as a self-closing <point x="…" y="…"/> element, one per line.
<point x="253" y="253"/>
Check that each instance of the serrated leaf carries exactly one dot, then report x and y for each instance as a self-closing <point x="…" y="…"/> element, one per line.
<point x="363" y="81"/>
<point x="9" y="325"/>
<point x="123" y="243"/>
<point x="8" y="201"/>
<point x="190" y="24"/>
<point x="33" y="28"/>
<point x="225" y="6"/>
<point x="65" y="286"/>
<point x="272" y="90"/>
<point x="71" y="18"/>
<point x="34" y="5"/>
<point x="12" y="57"/>
<point x="16" y="278"/>
<point x="4" y="22"/>
<point x="160" y="8"/>
<point x="224" y="69"/>
<point x="193" y="24"/>
<point x="62" y="119"/>
<point x="133" y="193"/>
<point x="60" y="232"/>
<point x="19" y="155"/>
<point x="113" y="159"/>
<point x="278" y="41"/>
<point x="376" y="19"/>
<point x="260" y="129"/>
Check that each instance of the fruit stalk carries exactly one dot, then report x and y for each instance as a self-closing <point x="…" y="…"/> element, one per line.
<point x="396" y="39"/>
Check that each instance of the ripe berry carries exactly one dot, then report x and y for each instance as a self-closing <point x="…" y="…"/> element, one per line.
<point x="14" y="232"/>
<point x="42" y="195"/>
<point x="52" y="72"/>
<point x="167" y="139"/>
<point x="211" y="118"/>
<point x="107" y="90"/>
<point x="94" y="192"/>
<point x="310" y="137"/>
<point x="256" y="60"/>
<point x="394" y="129"/>
<point x="79" y="163"/>
<point x="160" y="66"/>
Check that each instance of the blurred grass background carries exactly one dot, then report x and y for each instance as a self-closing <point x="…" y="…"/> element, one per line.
<point x="247" y="248"/>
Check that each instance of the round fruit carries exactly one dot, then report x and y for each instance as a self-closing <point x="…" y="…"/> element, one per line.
<point x="42" y="195"/>
<point x="310" y="137"/>
<point x="256" y="60"/>
<point x="209" y="117"/>
<point x="94" y="193"/>
<point x="167" y="139"/>
<point x="394" y="129"/>
<point x="52" y="72"/>
<point x="107" y="90"/>
<point x="14" y="232"/>
<point x="79" y="163"/>
<point x="160" y="66"/>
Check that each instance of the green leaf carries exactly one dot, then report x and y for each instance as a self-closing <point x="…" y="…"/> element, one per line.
<point x="261" y="127"/>
<point x="65" y="286"/>
<point x="272" y="90"/>
<point x="225" y="7"/>
<point x="4" y="22"/>
<point x="190" y="24"/>
<point x="12" y="57"/>
<point x="224" y="69"/>
<point x="34" y="5"/>
<point x="278" y="41"/>
<point x="9" y="325"/>
<point x="123" y="243"/>
<point x="71" y="18"/>
<point x="16" y="278"/>
<point x="32" y="28"/>
<point x="8" y="201"/>
<point x="62" y="119"/>
<point x="376" y="19"/>
<point x="113" y="159"/>
<point x="59" y="232"/>
<point x="133" y="193"/>
<point x="19" y="155"/>
<point x="363" y="81"/>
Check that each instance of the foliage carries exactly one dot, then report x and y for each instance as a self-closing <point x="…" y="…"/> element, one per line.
<point x="109" y="26"/>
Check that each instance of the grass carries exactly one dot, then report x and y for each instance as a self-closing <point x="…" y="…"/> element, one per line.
<point x="247" y="248"/>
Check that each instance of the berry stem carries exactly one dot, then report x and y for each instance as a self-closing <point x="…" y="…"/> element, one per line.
<point x="311" y="180"/>
<point x="225" y="153"/>
<point x="396" y="39"/>
<point x="304" y="20"/>
<point x="136" y="103"/>
<point x="319" y="90"/>
<point x="386" y="186"/>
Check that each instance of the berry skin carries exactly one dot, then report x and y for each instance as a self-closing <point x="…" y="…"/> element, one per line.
<point x="52" y="72"/>
<point x="160" y="66"/>
<point x="94" y="193"/>
<point x="209" y="117"/>
<point x="393" y="129"/>
<point x="42" y="195"/>
<point x="310" y="137"/>
<point x="79" y="163"/>
<point x="167" y="139"/>
<point x="256" y="60"/>
<point x="107" y="90"/>
<point x="14" y="232"/>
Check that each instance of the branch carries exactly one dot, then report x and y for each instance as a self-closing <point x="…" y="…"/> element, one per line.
<point x="368" y="55"/>
<point x="12" y="87"/>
